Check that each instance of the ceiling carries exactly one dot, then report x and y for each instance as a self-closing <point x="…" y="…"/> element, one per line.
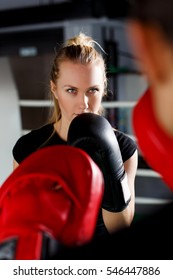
<point x="24" y="12"/>
<point x="11" y="4"/>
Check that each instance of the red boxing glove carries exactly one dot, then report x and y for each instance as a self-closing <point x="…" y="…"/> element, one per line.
<point x="56" y="191"/>
<point x="155" y="144"/>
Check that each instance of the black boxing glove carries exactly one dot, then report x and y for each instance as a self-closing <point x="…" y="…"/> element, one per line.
<point x="94" y="134"/>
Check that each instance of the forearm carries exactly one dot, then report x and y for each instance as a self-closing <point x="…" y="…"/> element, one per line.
<point x="15" y="164"/>
<point x="117" y="220"/>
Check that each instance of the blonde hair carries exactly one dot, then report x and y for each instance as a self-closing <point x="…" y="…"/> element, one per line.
<point x="79" y="49"/>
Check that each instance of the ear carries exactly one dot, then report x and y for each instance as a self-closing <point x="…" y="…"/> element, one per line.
<point x="53" y="88"/>
<point x="148" y="45"/>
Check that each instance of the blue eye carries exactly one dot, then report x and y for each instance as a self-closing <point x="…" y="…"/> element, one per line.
<point x="71" y="90"/>
<point x="93" y="90"/>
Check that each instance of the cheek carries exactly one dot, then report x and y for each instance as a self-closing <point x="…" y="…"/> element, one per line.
<point x="67" y="105"/>
<point x="64" y="102"/>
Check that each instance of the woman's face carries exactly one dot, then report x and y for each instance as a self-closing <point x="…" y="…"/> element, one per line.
<point x="79" y="89"/>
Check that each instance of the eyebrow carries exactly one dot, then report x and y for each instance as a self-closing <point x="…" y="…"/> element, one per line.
<point x="93" y="86"/>
<point x="70" y="86"/>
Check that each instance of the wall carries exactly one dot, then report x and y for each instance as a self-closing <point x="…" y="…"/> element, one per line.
<point x="20" y="86"/>
<point x="10" y="121"/>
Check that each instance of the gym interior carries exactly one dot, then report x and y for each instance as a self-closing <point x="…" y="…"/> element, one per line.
<point x="29" y="33"/>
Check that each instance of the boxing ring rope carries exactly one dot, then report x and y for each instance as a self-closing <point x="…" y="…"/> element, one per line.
<point x="112" y="104"/>
<point x="148" y="200"/>
<point x="48" y="103"/>
<point x="107" y="105"/>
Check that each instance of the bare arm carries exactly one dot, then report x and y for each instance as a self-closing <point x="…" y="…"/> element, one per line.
<point x="15" y="164"/>
<point x="115" y="221"/>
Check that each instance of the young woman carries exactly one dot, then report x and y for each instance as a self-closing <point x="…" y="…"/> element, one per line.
<point x="78" y="83"/>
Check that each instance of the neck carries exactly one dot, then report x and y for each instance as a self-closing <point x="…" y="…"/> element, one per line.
<point x="62" y="129"/>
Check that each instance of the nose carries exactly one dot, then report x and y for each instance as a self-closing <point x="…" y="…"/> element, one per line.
<point x="83" y="102"/>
